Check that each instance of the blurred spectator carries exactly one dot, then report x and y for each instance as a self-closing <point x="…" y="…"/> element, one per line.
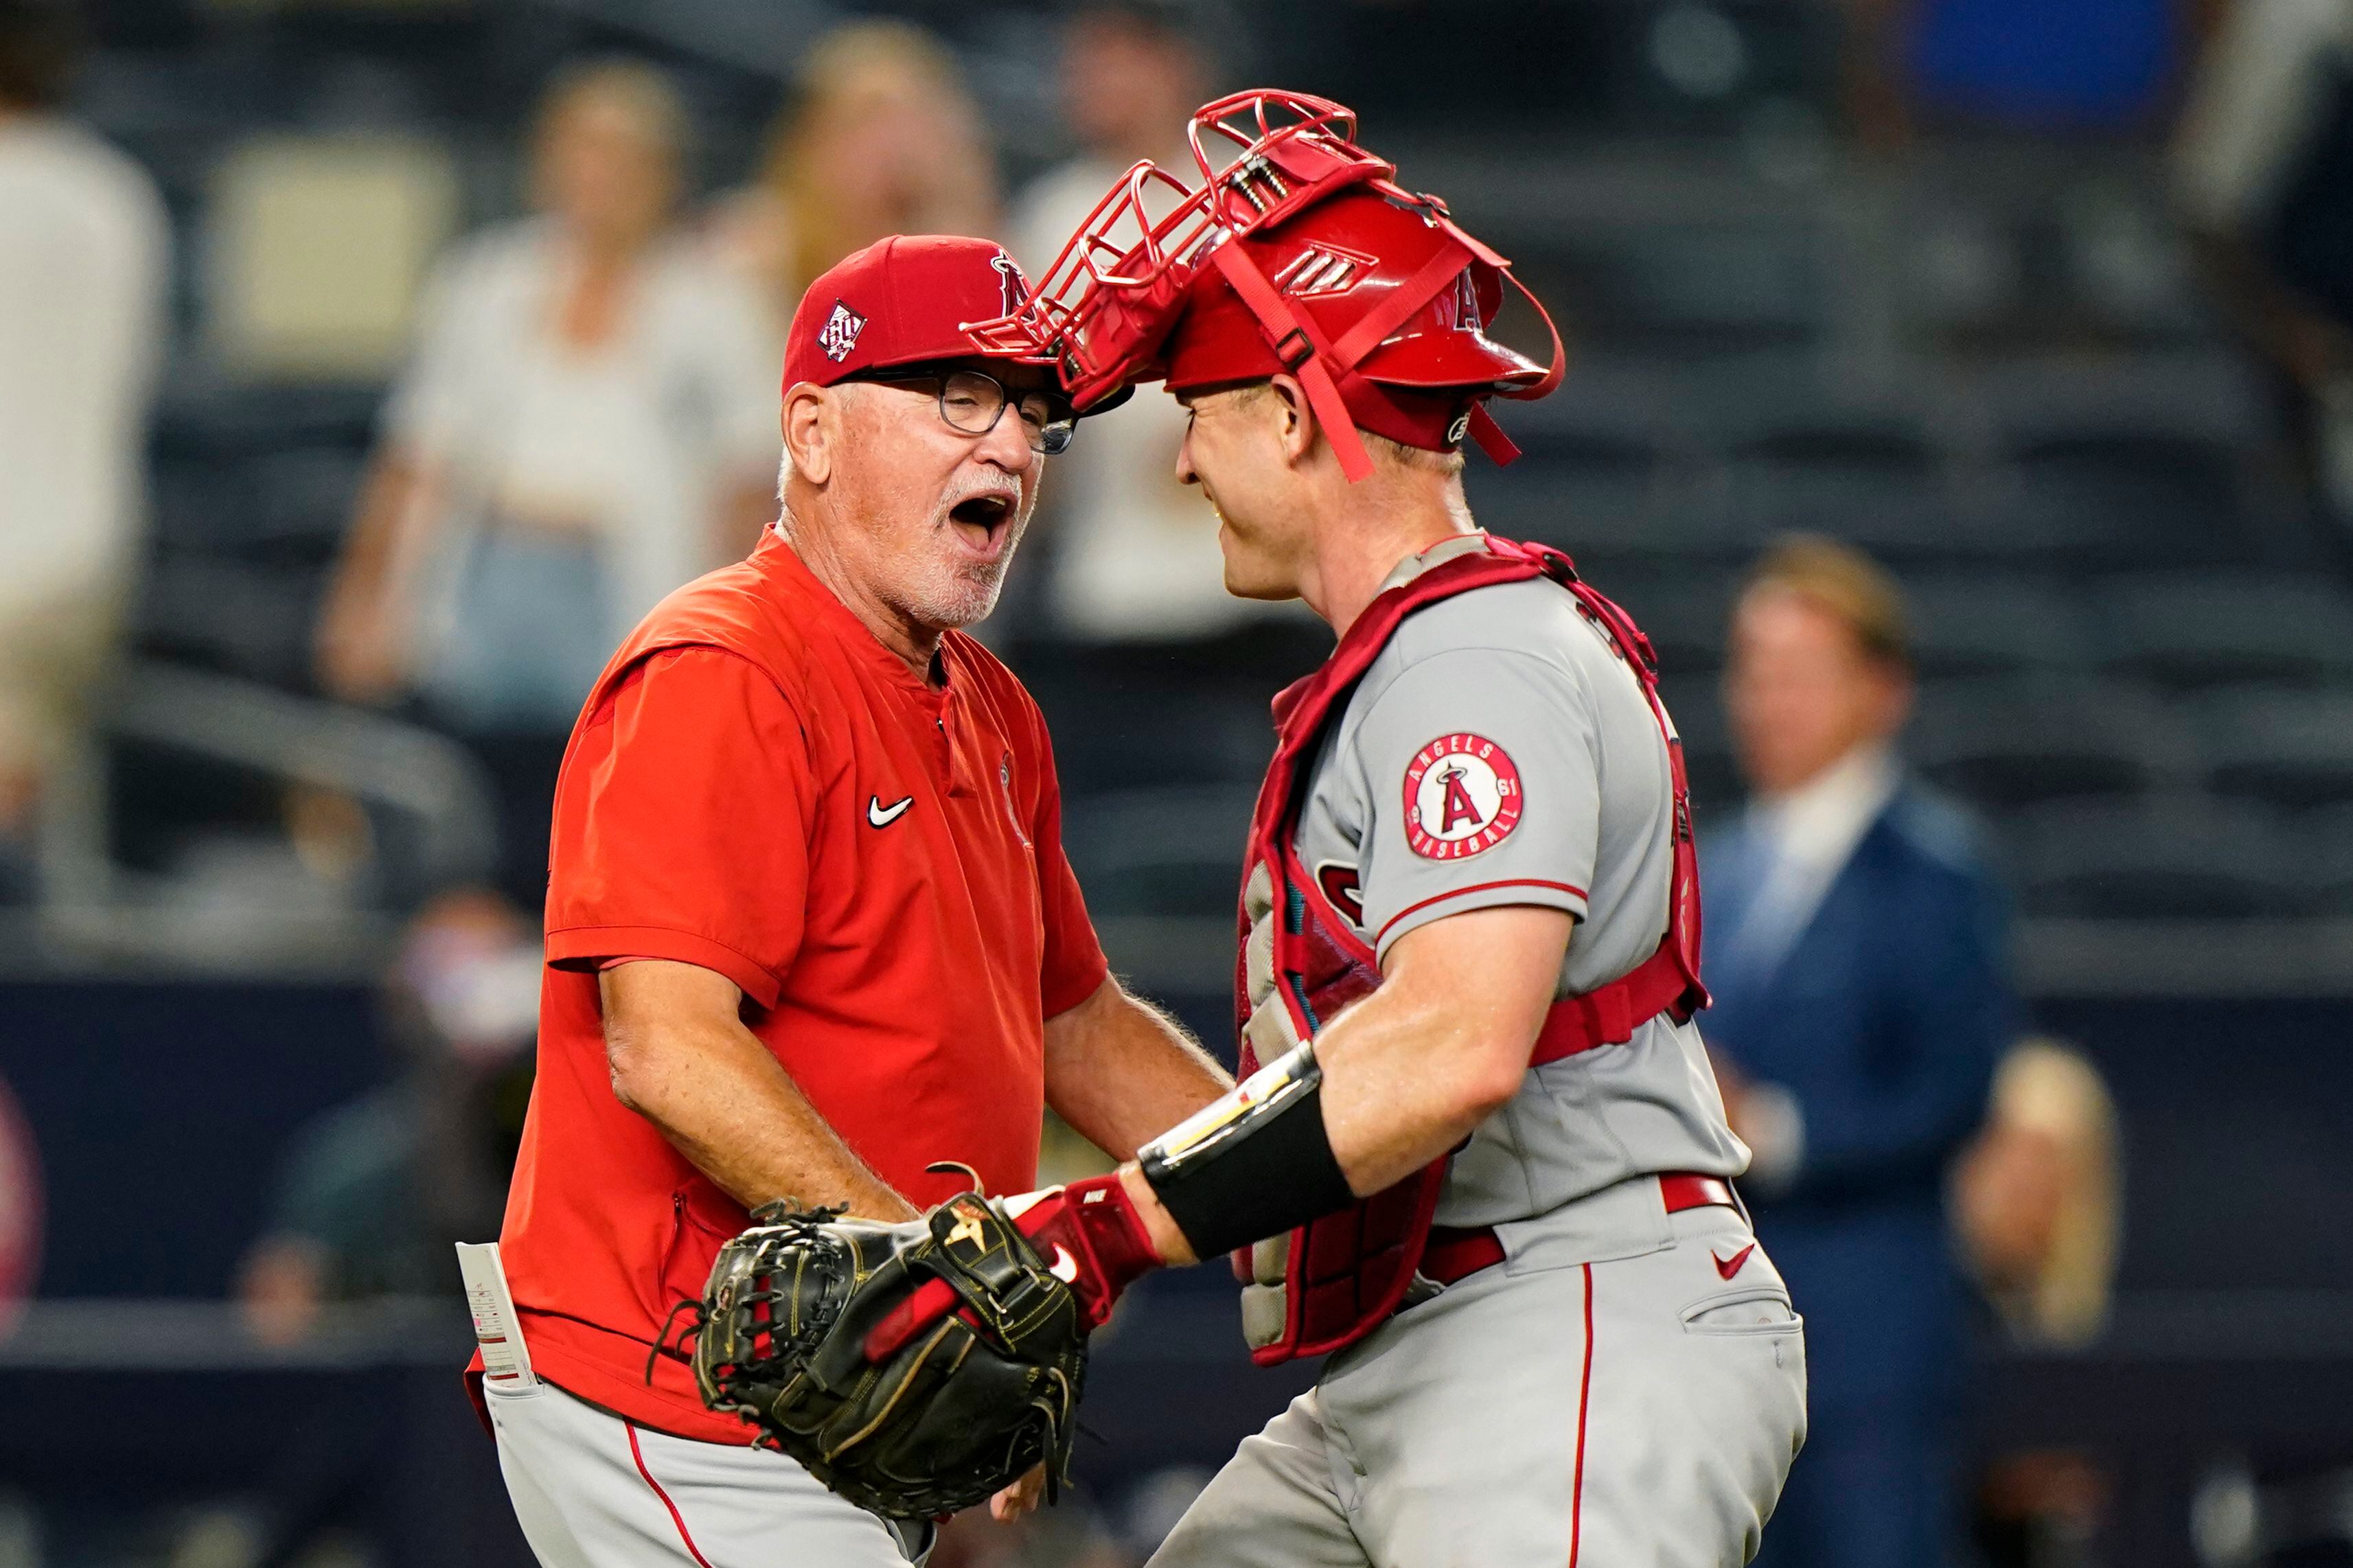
<point x="2038" y="1197"/>
<point x="84" y="250"/>
<point x="21" y="1211"/>
<point x="1854" y="949"/>
<point x="1135" y="554"/>
<point x="2029" y="64"/>
<point x="375" y="1193"/>
<point x="2037" y="1201"/>
<point x="881" y="138"/>
<point x="588" y="422"/>
<point x="2264" y="174"/>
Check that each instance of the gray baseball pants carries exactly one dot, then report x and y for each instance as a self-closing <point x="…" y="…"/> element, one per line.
<point x="594" y="1490"/>
<point x="1598" y="1410"/>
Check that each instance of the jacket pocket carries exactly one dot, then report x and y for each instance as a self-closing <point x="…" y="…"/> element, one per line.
<point x="696" y="1234"/>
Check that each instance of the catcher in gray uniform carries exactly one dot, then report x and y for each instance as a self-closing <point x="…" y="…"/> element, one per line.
<point x="1477" y="1121"/>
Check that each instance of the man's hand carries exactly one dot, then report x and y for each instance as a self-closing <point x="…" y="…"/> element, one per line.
<point x="1168" y="1238"/>
<point x="1092" y="1238"/>
<point x="1019" y="1498"/>
<point x="1732" y="1084"/>
<point x="1768" y="1119"/>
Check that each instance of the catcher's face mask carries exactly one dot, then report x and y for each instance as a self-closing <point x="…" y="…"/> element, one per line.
<point x="1295" y="251"/>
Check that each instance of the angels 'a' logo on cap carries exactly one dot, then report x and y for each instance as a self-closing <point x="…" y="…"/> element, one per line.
<point x="840" y="333"/>
<point x="1016" y="287"/>
<point x="1462" y="795"/>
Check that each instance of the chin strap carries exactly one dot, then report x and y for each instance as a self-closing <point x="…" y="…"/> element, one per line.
<point x="1500" y="449"/>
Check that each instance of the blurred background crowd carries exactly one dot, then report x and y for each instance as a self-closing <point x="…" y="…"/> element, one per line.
<point x="1961" y="398"/>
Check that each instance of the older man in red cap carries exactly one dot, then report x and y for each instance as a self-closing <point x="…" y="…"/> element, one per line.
<point x="810" y="928"/>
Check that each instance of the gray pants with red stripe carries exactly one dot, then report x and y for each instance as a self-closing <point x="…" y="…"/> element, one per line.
<point x="1612" y="1409"/>
<point x="592" y="1490"/>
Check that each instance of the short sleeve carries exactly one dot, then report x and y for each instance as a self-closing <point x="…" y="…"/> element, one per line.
<point x="1073" y="968"/>
<point x="1482" y="776"/>
<point x="682" y="823"/>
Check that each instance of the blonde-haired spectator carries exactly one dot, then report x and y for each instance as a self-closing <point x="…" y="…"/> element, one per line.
<point x="84" y="248"/>
<point x="2039" y="1196"/>
<point x="881" y="138"/>
<point x="1135" y="554"/>
<point x="587" y="422"/>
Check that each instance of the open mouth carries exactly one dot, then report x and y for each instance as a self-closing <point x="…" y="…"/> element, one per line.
<point x="980" y="521"/>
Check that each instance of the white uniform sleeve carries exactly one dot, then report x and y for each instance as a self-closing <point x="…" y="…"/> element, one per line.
<point x="1481" y="770"/>
<point x="429" y="409"/>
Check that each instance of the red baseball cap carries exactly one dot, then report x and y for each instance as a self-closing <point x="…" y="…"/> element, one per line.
<point x="905" y="300"/>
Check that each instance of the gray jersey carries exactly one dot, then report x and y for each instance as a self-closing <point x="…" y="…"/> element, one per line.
<point x="1499" y="751"/>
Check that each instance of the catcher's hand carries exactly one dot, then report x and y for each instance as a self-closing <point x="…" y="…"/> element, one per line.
<point x="810" y="1326"/>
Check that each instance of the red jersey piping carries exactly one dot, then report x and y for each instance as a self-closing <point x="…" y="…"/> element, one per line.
<point x="1572" y="891"/>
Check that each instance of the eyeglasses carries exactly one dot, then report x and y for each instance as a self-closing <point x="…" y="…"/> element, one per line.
<point x="973" y="401"/>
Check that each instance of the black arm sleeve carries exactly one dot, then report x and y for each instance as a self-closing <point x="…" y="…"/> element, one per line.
<point x="1254" y="1163"/>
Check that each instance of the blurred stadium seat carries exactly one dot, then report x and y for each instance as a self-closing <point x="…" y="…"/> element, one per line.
<point x="1604" y="472"/>
<point x="1990" y="623"/>
<point x="1683" y="614"/>
<point x="2288" y="749"/>
<point x="2158" y="448"/>
<point x="319" y="246"/>
<point x="1690" y="287"/>
<point x="2323" y="845"/>
<point x="2010" y="742"/>
<point x="2191" y="860"/>
<point x="2190" y="630"/>
<point x="1861" y="468"/>
<point x="1110" y="732"/>
<point x="1174" y="851"/>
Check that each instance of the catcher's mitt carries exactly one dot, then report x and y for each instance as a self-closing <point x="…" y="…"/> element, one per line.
<point x="809" y="1325"/>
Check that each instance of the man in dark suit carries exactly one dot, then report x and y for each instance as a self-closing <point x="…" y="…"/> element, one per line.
<point x="1854" y="947"/>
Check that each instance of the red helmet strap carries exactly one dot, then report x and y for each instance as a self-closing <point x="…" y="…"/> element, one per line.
<point x="1321" y="366"/>
<point x="1559" y="360"/>
<point x="1290" y="330"/>
<point x="1500" y="449"/>
<point x="1403" y="301"/>
<point x="1554" y="366"/>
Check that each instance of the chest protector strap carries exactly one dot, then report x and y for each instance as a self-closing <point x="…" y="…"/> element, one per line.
<point x="1344" y="1274"/>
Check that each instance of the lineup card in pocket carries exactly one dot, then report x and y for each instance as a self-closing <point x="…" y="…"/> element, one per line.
<point x="505" y="1362"/>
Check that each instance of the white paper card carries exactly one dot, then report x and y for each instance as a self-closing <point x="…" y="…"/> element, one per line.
<point x="505" y="1362"/>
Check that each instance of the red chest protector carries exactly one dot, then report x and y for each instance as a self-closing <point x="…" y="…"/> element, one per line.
<point x="1347" y="1271"/>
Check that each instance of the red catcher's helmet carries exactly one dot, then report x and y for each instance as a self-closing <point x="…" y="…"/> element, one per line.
<point x="1296" y="251"/>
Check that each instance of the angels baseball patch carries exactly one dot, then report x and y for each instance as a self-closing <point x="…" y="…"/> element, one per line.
<point x="1462" y="795"/>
